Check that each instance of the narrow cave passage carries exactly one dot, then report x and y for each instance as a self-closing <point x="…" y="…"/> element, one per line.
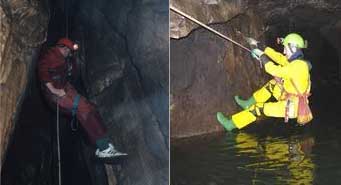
<point x="123" y="70"/>
<point x="32" y="155"/>
<point x="207" y="72"/>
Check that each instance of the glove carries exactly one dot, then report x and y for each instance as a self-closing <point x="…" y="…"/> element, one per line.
<point x="252" y="42"/>
<point x="256" y="53"/>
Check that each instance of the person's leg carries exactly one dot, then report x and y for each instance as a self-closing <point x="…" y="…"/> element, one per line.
<point x="260" y="96"/>
<point x="269" y="109"/>
<point x="277" y="91"/>
<point x="246" y="117"/>
<point x="240" y="119"/>
<point x="277" y="109"/>
<point x="263" y="94"/>
<point x="90" y="120"/>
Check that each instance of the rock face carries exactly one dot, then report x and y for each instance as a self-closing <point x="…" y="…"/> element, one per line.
<point x="206" y="71"/>
<point x="124" y="69"/>
<point x="207" y="11"/>
<point x="127" y="78"/>
<point x="23" y="27"/>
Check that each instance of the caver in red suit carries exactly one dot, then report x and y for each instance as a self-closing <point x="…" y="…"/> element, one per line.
<point x="53" y="70"/>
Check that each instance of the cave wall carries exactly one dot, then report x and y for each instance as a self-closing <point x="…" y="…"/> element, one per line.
<point x="125" y="54"/>
<point x="124" y="68"/>
<point x="207" y="71"/>
<point x="207" y="11"/>
<point x="23" y="30"/>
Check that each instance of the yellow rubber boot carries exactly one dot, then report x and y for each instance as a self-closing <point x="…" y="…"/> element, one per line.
<point x="243" y="118"/>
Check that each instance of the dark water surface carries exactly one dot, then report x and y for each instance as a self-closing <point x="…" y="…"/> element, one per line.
<point x="285" y="156"/>
<point x="266" y="152"/>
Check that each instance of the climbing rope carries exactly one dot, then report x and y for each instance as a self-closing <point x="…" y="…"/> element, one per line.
<point x="66" y="9"/>
<point x="207" y="27"/>
<point x="58" y="147"/>
<point x="74" y="122"/>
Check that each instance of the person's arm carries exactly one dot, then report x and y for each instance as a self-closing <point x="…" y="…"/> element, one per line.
<point x="277" y="70"/>
<point x="277" y="57"/>
<point x="45" y="77"/>
<point x="58" y="92"/>
<point x="43" y="71"/>
<point x="271" y="67"/>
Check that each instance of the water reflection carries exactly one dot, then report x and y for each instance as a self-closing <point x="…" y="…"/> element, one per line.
<point x="243" y="158"/>
<point x="289" y="159"/>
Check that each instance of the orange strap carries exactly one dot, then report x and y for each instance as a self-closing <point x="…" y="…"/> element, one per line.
<point x="305" y="95"/>
<point x="298" y="92"/>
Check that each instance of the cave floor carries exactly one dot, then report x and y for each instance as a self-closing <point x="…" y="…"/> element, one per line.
<point x="267" y="152"/>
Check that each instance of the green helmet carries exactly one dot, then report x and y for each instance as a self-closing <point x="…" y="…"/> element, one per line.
<point x="294" y="39"/>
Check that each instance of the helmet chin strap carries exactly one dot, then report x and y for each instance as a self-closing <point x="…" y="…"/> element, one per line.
<point x="290" y="50"/>
<point x="298" y="54"/>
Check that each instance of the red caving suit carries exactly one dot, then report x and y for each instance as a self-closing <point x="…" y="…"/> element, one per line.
<point x="52" y="67"/>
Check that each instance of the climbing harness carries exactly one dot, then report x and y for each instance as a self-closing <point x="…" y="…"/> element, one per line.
<point x="74" y="109"/>
<point x="289" y="110"/>
<point x="58" y="147"/>
<point x="304" y="114"/>
<point x="208" y="28"/>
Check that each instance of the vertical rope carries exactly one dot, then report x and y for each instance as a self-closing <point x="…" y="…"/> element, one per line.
<point x="58" y="147"/>
<point x="66" y="9"/>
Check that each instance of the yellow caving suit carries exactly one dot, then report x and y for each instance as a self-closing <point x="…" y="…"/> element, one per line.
<point x="296" y="71"/>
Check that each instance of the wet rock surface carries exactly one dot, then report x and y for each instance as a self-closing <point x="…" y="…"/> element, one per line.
<point x="206" y="72"/>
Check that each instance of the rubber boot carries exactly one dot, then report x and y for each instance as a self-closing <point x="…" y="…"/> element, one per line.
<point x="225" y="122"/>
<point x="245" y="104"/>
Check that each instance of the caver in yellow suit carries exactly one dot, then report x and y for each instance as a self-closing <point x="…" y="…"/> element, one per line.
<point x="291" y="81"/>
<point x="291" y="154"/>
